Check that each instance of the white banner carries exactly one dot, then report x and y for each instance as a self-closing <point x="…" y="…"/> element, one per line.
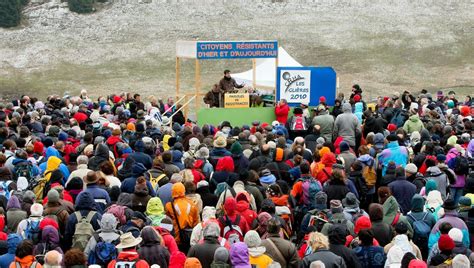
<point x="295" y="85"/>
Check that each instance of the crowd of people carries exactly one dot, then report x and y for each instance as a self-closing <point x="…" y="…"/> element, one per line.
<point x="116" y="182"/>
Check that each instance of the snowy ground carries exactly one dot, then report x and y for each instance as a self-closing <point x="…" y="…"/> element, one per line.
<point x="385" y="46"/>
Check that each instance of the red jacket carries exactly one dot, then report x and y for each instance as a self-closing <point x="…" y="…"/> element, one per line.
<point x="281" y="112"/>
<point x="243" y="207"/>
<point x="80" y="117"/>
<point x="168" y="239"/>
<point x="230" y="207"/>
<point x="129" y="256"/>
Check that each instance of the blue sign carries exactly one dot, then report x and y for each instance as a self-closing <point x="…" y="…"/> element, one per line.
<point x="236" y="50"/>
<point x="306" y="84"/>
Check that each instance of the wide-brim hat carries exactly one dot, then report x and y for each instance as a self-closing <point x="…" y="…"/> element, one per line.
<point x="127" y="240"/>
<point x="449" y="204"/>
<point x="220" y="142"/>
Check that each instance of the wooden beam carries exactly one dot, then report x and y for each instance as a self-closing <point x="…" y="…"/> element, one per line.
<point x="178" y="76"/>
<point x="254" y="73"/>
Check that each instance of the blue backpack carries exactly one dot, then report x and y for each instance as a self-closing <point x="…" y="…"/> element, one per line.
<point x="4" y="189"/>
<point x="421" y="230"/>
<point x="33" y="231"/>
<point x="103" y="253"/>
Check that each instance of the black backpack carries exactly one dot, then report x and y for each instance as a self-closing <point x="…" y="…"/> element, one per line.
<point x="461" y="165"/>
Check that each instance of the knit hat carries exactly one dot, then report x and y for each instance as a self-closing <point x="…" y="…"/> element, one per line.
<point x="202" y="183"/>
<point x="203" y="152"/>
<point x="362" y="222"/>
<point x="53" y="196"/>
<point x="192" y="263"/>
<point x="461" y="261"/>
<point x="401" y="228"/>
<point x="445" y="243"/>
<point x="321" y="200"/>
<point x="441" y="158"/>
<point x="320" y="140"/>
<point x="465" y="202"/>
<point x="208" y="212"/>
<point x="336" y="206"/>
<point x="221" y="255"/>
<point x="411" y="168"/>
<point x="108" y="222"/>
<point x="37" y="209"/>
<point x="357" y="98"/>
<point x="344" y="146"/>
<point x="417" y="264"/>
<point x="38" y="147"/>
<point x="252" y="239"/>
<point x="267" y="177"/>
<point x="177" y="259"/>
<point x="455" y="234"/>
<point x="350" y="201"/>
<point x="236" y="148"/>
<point x="392" y="127"/>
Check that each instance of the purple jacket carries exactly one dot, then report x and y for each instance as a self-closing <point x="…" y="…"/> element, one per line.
<point x="239" y="255"/>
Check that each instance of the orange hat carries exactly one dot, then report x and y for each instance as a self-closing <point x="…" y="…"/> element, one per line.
<point x="192" y="263"/>
<point x="279" y="154"/>
<point x="131" y="126"/>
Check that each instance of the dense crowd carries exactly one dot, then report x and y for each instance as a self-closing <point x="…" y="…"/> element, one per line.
<point x="117" y="182"/>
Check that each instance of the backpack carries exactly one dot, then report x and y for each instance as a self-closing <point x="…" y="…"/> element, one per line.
<point x="103" y="253"/>
<point x="433" y="211"/>
<point x="399" y="118"/>
<point x="154" y="181"/>
<point x="232" y="231"/>
<point x="370" y="176"/>
<point x="310" y="188"/>
<point x="32" y="231"/>
<point x="319" y="219"/>
<point x="461" y="165"/>
<point x="126" y="264"/>
<point x="298" y="124"/>
<point x="54" y="216"/>
<point x="24" y="169"/>
<point x="119" y="212"/>
<point x="4" y="189"/>
<point x="421" y="230"/>
<point x="84" y="230"/>
<point x="33" y="265"/>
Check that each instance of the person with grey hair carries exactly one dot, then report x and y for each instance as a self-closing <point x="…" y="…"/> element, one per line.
<point x="108" y="233"/>
<point x="81" y="170"/>
<point x="164" y="192"/>
<point x="205" y="251"/>
<point x="52" y="259"/>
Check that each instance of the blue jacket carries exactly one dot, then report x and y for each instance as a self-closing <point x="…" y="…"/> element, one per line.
<point x="131" y="227"/>
<point x="101" y="197"/>
<point x="84" y="204"/>
<point x="12" y="242"/>
<point x="164" y="193"/>
<point x="403" y="191"/>
<point x="395" y="153"/>
<point x="143" y="158"/>
<point x="53" y="152"/>
<point x="128" y="185"/>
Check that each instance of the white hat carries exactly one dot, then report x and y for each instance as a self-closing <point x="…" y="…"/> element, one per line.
<point x="127" y="240"/>
<point x="411" y="168"/>
<point x="165" y="120"/>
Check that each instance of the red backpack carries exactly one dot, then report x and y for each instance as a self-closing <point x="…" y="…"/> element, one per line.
<point x="299" y="124"/>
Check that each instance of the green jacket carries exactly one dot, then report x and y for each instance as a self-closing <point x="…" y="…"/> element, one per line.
<point x="413" y="124"/>
<point x="390" y="210"/>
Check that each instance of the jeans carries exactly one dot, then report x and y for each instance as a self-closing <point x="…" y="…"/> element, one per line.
<point x="456" y="194"/>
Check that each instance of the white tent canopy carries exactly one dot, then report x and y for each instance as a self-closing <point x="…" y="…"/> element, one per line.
<point x="266" y="70"/>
